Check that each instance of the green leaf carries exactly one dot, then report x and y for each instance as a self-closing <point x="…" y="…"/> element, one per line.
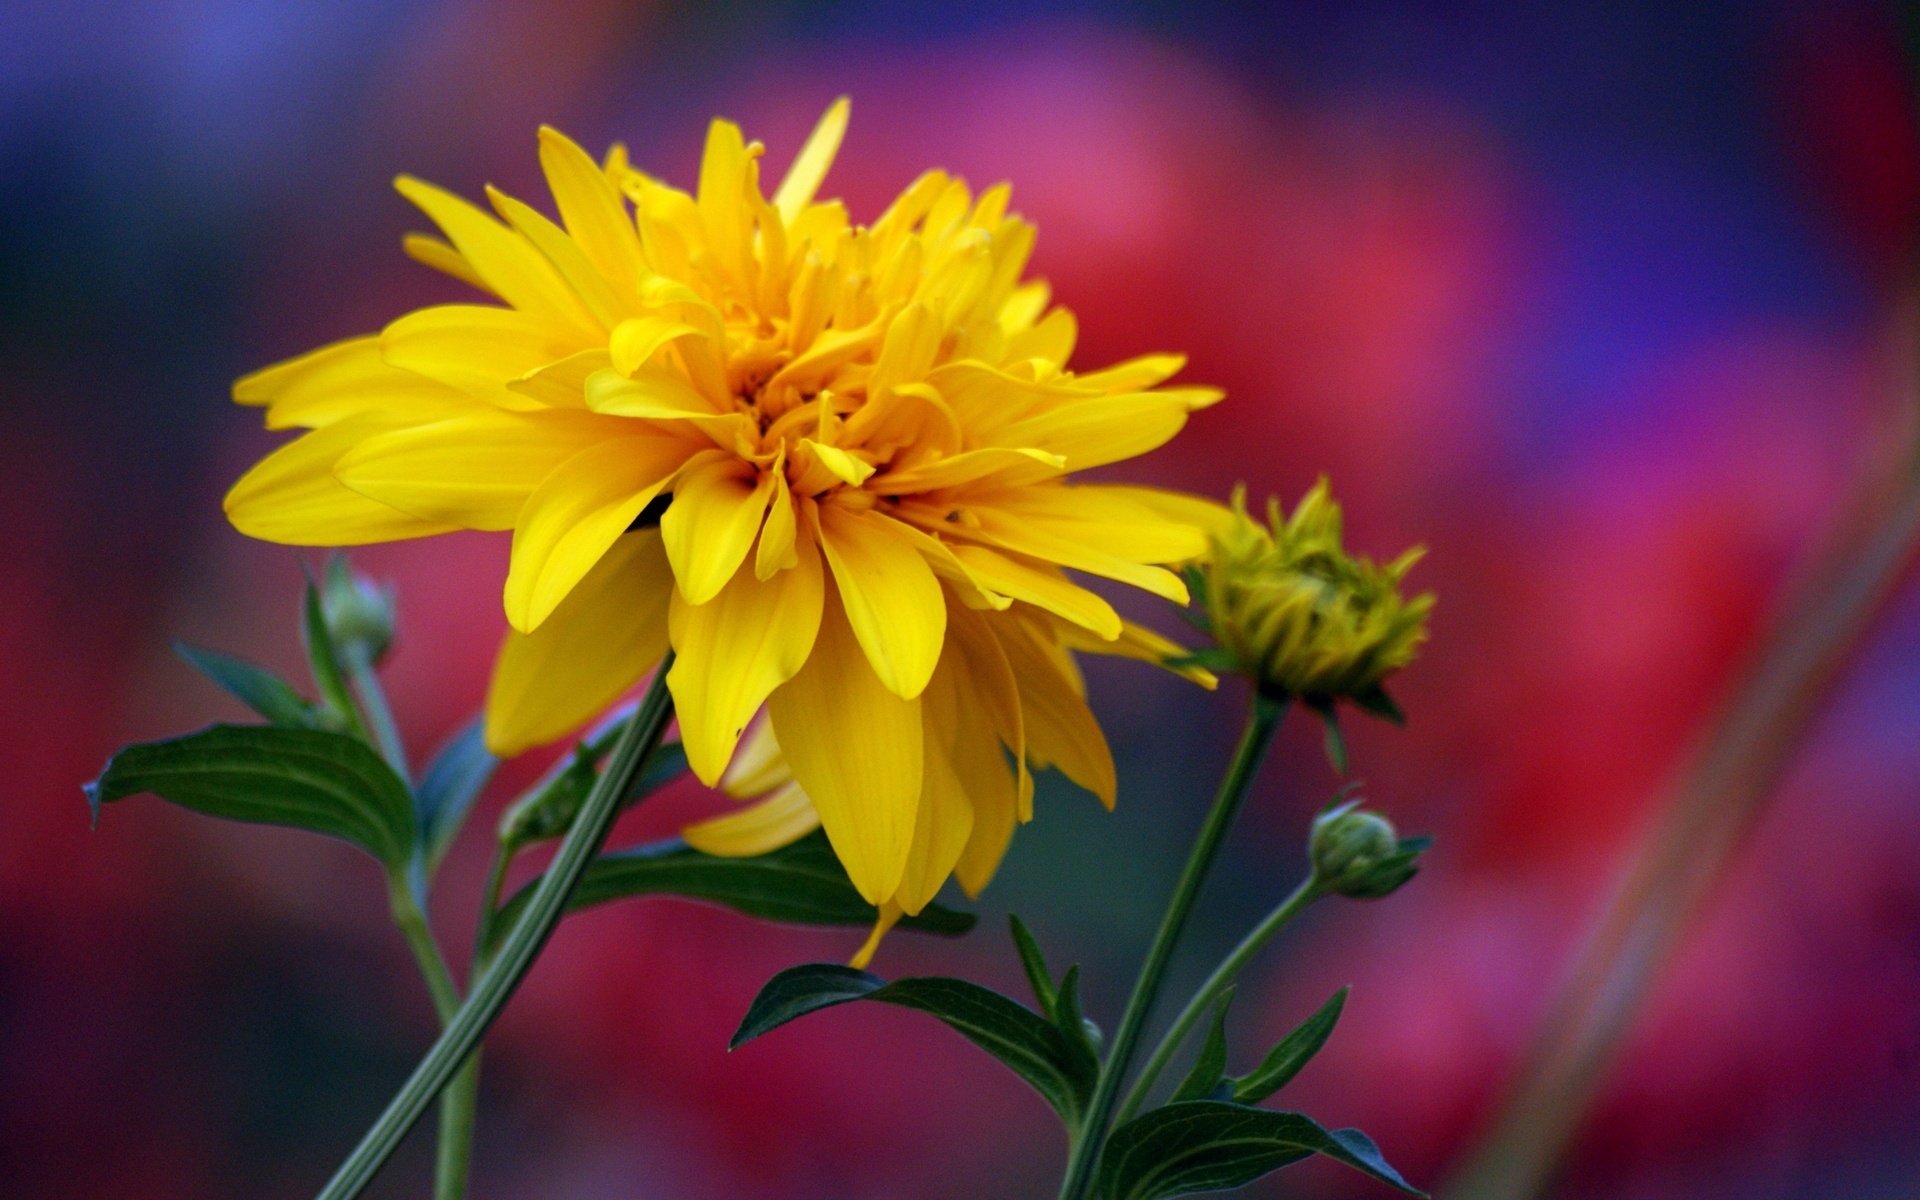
<point x="324" y="661"/>
<point x="1082" y="1036"/>
<point x="800" y="884"/>
<point x="1210" y="1066"/>
<point x="1213" y="658"/>
<point x="453" y="780"/>
<point x="1034" y="963"/>
<point x="1376" y="701"/>
<point x="1214" y="1145"/>
<point x="252" y="685"/>
<point x="1016" y="1035"/>
<point x="311" y="779"/>
<point x="1294" y="1052"/>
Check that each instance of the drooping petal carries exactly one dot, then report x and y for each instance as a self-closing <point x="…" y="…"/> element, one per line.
<point x="782" y="818"/>
<point x="863" y="767"/>
<point x="752" y="636"/>
<point x="1036" y="583"/>
<point x="576" y="515"/>
<point x="601" y="639"/>
<point x="945" y="818"/>
<point x="292" y="497"/>
<point x="716" y="511"/>
<point x="1061" y="730"/>
<point x="475" y="470"/>
<point x="895" y="605"/>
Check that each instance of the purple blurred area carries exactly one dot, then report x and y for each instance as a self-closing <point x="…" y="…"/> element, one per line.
<point x="1599" y="302"/>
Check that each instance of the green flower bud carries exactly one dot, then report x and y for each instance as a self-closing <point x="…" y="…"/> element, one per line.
<point x="1304" y="618"/>
<point x="358" y="612"/>
<point x="1357" y="853"/>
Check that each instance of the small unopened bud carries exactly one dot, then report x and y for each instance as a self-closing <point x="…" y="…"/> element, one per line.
<point x="358" y="612"/>
<point x="1357" y="853"/>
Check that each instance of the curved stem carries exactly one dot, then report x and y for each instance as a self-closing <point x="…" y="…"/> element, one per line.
<point x="517" y="950"/>
<point x="1224" y="974"/>
<point x="1233" y="789"/>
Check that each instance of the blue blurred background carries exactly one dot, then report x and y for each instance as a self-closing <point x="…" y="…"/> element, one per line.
<point x="1607" y="304"/>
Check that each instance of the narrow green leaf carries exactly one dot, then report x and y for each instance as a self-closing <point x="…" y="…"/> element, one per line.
<point x="1294" y="1052"/>
<point x="453" y="780"/>
<point x="799" y="884"/>
<point x="252" y="685"/>
<point x="1017" y="1036"/>
<point x="1336" y="742"/>
<point x="1213" y="658"/>
<point x="546" y="810"/>
<point x="1376" y="701"/>
<point x="1214" y="1145"/>
<point x="1210" y="1066"/>
<point x="310" y="779"/>
<point x="1034" y="963"/>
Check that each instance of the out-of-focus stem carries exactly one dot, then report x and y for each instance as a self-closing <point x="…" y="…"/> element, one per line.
<point x="1715" y="803"/>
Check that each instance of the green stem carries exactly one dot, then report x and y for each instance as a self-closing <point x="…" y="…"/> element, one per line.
<point x="460" y="1105"/>
<point x="1210" y="991"/>
<point x="1085" y="1153"/>
<point x="411" y="920"/>
<point x="517" y="950"/>
<point x="379" y="714"/>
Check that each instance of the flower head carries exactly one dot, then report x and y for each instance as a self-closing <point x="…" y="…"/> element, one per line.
<point x="827" y="462"/>
<point x="1294" y="610"/>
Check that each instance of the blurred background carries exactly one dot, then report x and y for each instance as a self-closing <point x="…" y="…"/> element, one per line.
<point x="1601" y="302"/>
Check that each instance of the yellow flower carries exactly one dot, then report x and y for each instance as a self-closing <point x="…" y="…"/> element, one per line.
<point x="826" y="462"/>
<point x="1294" y="610"/>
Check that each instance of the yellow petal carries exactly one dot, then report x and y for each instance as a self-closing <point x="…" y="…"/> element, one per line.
<point x="476" y="349"/>
<point x="1007" y="467"/>
<point x="562" y="383"/>
<point x="590" y="206"/>
<point x="1105" y="429"/>
<point x="810" y="165"/>
<point x="890" y="915"/>
<point x="292" y="497"/>
<point x="509" y="265"/>
<point x="603" y="637"/>
<point x="607" y="303"/>
<point x="475" y="470"/>
<point x="776" y="549"/>
<point x="856" y="748"/>
<point x="1140" y="644"/>
<point x="1061" y="730"/>
<point x="781" y="819"/>
<point x="945" y="818"/>
<point x="432" y="252"/>
<point x="344" y="379"/>
<point x="716" y="511"/>
<point x="1135" y="374"/>
<point x="758" y="767"/>
<point x="575" y="516"/>
<point x="733" y="650"/>
<point x="1040" y="585"/>
<point x="637" y="339"/>
<point x="892" y="599"/>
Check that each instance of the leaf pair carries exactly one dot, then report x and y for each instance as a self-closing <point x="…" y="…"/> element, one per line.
<point x="1216" y="1145"/>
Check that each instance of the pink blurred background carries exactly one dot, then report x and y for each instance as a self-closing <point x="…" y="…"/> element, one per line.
<point x="1599" y="303"/>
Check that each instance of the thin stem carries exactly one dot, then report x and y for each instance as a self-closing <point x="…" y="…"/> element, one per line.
<point x="411" y="920"/>
<point x="1085" y="1152"/>
<point x="379" y="714"/>
<point x="460" y="1104"/>
<point x="1210" y="991"/>
<point x="517" y="950"/>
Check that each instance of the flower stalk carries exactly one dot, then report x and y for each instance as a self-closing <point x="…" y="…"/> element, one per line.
<point x="1254" y="742"/>
<point x="1301" y="899"/>
<point x="517" y="950"/>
